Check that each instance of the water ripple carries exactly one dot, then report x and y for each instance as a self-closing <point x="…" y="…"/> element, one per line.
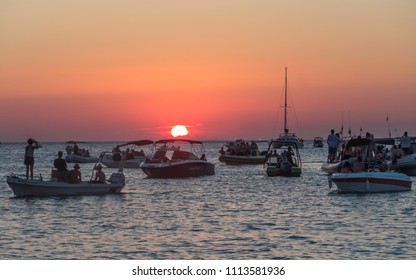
<point x="237" y="214"/>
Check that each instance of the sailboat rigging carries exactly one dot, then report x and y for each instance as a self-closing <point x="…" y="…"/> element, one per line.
<point x="286" y="136"/>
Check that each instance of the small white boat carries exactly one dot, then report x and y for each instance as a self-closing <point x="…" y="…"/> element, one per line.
<point x="178" y="163"/>
<point x="407" y="164"/>
<point x="132" y="158"/>
<point x="318" y="142"/>
<point x="39" y="187"/>
<point x="369" y="182"/>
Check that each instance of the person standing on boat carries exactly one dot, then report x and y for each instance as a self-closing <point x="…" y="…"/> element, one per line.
<point x="405" y="142"/>
<point x="333" y="142"/>
<point x="29" y="156"/>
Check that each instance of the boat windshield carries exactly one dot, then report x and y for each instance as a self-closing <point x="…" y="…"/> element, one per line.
<point x="183" y="155"/>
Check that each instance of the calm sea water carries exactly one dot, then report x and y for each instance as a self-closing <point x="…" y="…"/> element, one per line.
<point x="238" y="213"/>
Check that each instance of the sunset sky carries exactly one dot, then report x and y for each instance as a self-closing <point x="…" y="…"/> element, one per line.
<point x="132" y="69"/>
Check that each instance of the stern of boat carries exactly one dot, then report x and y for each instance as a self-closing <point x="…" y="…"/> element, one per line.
<point x="117" y="178"/>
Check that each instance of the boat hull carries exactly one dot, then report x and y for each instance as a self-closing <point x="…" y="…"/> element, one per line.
<point x="71" y="158"/>
<point x="23" y="187"/>
<point x="178" y="169"/>
<point x="407" y="164"/>
<point x="371" y="182"/>
<point x="237" y="160"/>
<point x="129" y="163"/>
<point x="273" y="171"/>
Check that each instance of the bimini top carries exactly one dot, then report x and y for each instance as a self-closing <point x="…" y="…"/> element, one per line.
<point x="286" y="143"/>
<point x="366" y="141"/>
<point x="164" y="141"/>
<point x="138" y="143"/>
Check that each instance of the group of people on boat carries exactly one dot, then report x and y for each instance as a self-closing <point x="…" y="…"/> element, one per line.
<point x="77" y="151"/>
<point x="128" y="153"/>
<point x="337" y="149"/>
<point x="241" y="148"/>
<point x="60" y="171"/>
<point x="62" y="174"/>
<point x="374" y="156"/>
<point x="278" y="159"/>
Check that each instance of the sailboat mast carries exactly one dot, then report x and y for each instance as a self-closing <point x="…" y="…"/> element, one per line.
<point x="285" y="127"/>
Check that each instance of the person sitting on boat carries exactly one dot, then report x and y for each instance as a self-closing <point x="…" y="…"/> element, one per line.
<point x="74" y="175"/>
<point x="222" y="152"/>
<point x="347" y="152"/>
<point x="129" y="154"/>
<point x="60" y="164"/>
<point x="289" y="155"/>
<point x="382" y="167"/>
<point x="69" y="149"/>
<point x="358" y="165"/>
<point x="397" y="152"/>
<point x="76" y="149"/>
<point x="99" y="175"/>
<point x="203" y="157"/>
<point x="346" y="168"/>
<point x="394" y="166"/>
<point x="380" y="153"/>
<point x="254" y="145"/>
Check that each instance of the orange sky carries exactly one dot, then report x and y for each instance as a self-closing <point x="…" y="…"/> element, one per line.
<point x="126" y="70"/>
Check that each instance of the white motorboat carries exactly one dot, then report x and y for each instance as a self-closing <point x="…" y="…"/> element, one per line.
<point x="372" y="178"/>
<point x="52" y="187"/>
<point x="407" y="164"/>
<point x="178" y="163"/>
<point x="318" y="142"/>
<point x="368" y="182"/>
<point x="286" y="136"/>
<point x="132" y="158"/>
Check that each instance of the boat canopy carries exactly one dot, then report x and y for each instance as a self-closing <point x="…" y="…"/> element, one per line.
<point x="366" y="141"/>
<point x="138" y="143"/>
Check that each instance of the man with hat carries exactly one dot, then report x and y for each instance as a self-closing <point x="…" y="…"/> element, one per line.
<point x="74" y="175"/>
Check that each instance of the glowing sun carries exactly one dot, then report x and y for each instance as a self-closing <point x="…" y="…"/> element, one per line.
<point x="179" y="130"/>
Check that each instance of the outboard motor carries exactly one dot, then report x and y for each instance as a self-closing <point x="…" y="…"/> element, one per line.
<point x="286" y="168"/>
<point x="117" y="178"/>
